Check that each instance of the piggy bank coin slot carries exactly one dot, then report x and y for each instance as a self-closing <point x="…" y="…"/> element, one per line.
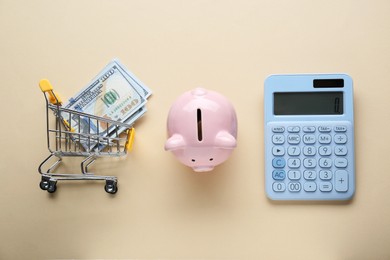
<point x="199" y="120"/>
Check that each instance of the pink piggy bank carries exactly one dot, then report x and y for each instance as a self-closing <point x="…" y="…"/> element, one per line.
<point x="202" y="129"/>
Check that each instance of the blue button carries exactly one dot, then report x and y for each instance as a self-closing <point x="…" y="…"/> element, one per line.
<point x="279" y="175"/>
<point x="278" y="162"/>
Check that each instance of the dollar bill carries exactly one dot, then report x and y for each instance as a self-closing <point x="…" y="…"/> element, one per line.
<point x="115" y="94"/>
<point x="143" y="89"/>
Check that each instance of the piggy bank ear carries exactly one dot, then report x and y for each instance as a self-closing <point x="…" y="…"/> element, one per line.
<point x="225" y="140"/>
<point x="175" y="142"/>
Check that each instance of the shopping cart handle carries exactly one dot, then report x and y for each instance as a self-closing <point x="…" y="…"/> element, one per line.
<point x="46" y="86"/>
<point x="130" y="139"/>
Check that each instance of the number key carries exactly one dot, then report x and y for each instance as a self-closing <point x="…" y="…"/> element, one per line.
<point x="309" y="163"/>
<point x="279" y="186"/>
<point x="293" y="150"/>
<point x="325" y="175"/>
<point x="325" y="150"/>
<point x="294" y="163"/>
<point x="310" y="175"/>
<point x="325" y="163"/>
<point x="309" y="150"/>
<point x="294" y="175"/>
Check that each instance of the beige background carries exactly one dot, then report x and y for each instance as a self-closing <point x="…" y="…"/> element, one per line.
<point x="163" y="209"/>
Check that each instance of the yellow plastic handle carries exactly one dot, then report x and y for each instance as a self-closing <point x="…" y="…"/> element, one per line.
<point x="130" y="139"/>
<point x="46" y="86"/>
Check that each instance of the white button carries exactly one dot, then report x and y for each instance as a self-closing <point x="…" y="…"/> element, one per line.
<point x="326" y="175"/>
<point x="293" y="139"/>
<point x="325" y="150"/>
<point x="340" y="162"/>
<point x="309" y="163"/>
<point x="293" y="150"/>
<point x="340" y="150"/>
<point x="278" y="129"/>
<point x="279" y="186"/>
<point x="326" y="186"/>
<point x="293" y="129"/>
<point x="341" y="181"/>
<point x="340" y="139"/>
<point x="310" y="186"/>
<point x="324" y="139"/>
<point x="309" y="139"/>
<point x="294" y="163"/>
<point x="340" y="128"/>
<point x="278" y="150"/>
<point x="325" y="163"/>
<point x="278" y="139"/>
<point x="324" y="129"/>
<point x="309" y="129"/>
<point x="310" y="175"/>
<point x="309" y="150"/>
<point x="294" y="186"/>
<point x="294" y="175"/>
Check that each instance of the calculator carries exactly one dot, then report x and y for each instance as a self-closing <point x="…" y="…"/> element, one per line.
<point x="309" y="137"/>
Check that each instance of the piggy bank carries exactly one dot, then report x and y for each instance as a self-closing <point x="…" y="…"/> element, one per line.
<point x="202" y="129"/>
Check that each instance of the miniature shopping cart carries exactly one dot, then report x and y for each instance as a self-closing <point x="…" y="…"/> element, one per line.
<point x="67" y="136"/>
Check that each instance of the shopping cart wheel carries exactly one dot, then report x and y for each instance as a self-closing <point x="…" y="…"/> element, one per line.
<point x="111" y="187"/>
<point x="44" y="184"/>
<point x="52" y="186"/>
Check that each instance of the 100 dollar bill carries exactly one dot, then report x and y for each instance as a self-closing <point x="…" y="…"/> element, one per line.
<point x="113" y="94"/>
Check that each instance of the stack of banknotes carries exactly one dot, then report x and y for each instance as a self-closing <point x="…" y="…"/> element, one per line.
<point x="116" y="94"/>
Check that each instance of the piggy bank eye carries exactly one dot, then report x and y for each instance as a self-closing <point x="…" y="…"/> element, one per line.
<point x="211" y="159"/>
<point x="193" y="160"/>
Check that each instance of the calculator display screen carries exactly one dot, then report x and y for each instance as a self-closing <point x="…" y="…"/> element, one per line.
<point x="308" y="103"/>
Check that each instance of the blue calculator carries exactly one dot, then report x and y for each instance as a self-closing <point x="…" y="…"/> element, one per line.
<point x="309" y="137"/>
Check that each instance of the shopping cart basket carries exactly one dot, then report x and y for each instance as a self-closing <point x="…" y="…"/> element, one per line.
<point x="68" y="136"/>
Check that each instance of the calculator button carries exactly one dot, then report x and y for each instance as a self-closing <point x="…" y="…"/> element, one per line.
<point x="293" y="139"/>
<point x="293" y="129"/>
<point x="278" y="129"/>
<point x="310" y="186"/>
<point x="309" y="139"/>
<point x="325" y="163"/>
<point x="340" y="150"/>
<point x="294" y="163"/>
<point x="294" y="186"/>
<point x="309" y="150"/>
<point x="324" y="139"/>
<point x="310" y="175"/>
<point x="326" y="175"/>
<point x="278" y="139"/>
<point x="326" y="186"/>
<point x="294" y="175"/>
<point x="278" y="150"/>
<point x="293" y="150"/>
<point x="324" y="129"/>
<point x="278" y="175"/>
<point x="309" y="163"/>
<point x="340" y="162"/>
<point x="309" y="129"/>
<point x="279" y="186"/>
<point x="324" y="150"/>
<point x="340" y="138"/>
<point x="340" y="128"/>
<point x="278" y="163"/>
<point x="341" y="181"/>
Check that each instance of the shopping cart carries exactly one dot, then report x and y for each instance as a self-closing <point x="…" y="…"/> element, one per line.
<point x="68" y="136"/>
